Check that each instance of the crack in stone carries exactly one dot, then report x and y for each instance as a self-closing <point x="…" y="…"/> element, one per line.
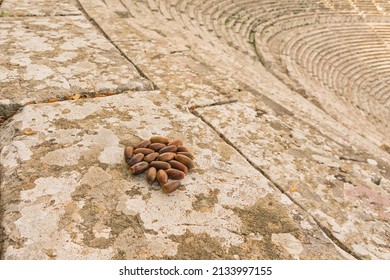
<point x="218" y="103"/>
<point x="97" y="26"/>
<point x="9" y="110"/>
<point x="325" y="230"/>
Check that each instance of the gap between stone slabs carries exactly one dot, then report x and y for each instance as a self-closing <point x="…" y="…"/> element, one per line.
<point x="66" y="192"/>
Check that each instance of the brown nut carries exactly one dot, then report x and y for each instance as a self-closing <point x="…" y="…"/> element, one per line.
<point x="144" y="151"/>
<point x="171" y="186"/>
<point x="176" y="142"/>
<point x="128" y="152"/>
<point x="178" y="165"/>
<point x="162" y="177"/>
<point x="151" y="157"/>
<point x="156" y="146"/>
<point x="185" y="160"/>
<point x="175" y="174"/>
<point x="160" y="164"/>
<point x="151" y="175"/>
<point x="139" y="167"/>
<point x="187" y="154"/>
<point x="142" y="144"/>
<point x="166" y="156"/>
<point x="167" y="149"/>
<point x="134" y="159"/>
<point x="159" y="139"/>
<point x="182" y="149"/>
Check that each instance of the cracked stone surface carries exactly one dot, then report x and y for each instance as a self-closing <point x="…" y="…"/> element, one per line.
<point x="70" y="181"/>
<point x="53" y="57"/>
<point x="170" y="63"/>
<point x="342" y="187"/>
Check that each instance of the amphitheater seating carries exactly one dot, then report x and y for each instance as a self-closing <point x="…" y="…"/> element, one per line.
<point x="366" y="6"/>
<point x="342" y="46"/>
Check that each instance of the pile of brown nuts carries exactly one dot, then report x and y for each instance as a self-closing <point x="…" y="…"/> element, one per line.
<point x="162" y="159"/>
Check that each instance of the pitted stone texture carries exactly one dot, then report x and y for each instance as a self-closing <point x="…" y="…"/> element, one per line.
<point x="39" y="7"/>
<point x="53" y="57"/>
<point x="336" y="183"/>
<point x="66" y="192"/>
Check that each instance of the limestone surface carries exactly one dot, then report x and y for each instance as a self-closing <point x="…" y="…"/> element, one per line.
<point x="169" y="62"/>
<point x="67" y="193"/>
<point x="39" y="7"/>
<point x="343" y="188"/>
<point x="52" y="57"/>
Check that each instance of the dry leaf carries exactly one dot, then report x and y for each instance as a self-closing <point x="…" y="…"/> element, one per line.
<point x="52" y="100"/>
<point x="75" y="96"/>
<point x="29" y="131"/>
<point x="29" y="186"/>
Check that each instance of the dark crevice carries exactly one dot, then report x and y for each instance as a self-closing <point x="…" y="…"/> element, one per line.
<point x="218" y="103"/>
<point x="324" y="229"/>
<point x="7" y="111"/>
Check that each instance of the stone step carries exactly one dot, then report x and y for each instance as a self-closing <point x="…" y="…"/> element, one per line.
<point x="186" y="81"/>
<point x="165" y="10"/>
<point x="366" y="6"/>
<point x="84" y="204"/>
<point x="311" y="178"/>
<point x="46" y="58"/>
<point x="338" y="47"/>
<point x="340" y="4"/>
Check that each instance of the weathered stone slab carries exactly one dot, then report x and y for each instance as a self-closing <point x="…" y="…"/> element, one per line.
<point x="168" y="61"/>
<point x="66" y="192"/>
<point x="39" y="7"/>
<point x="53" y="57"/>
<point x="343" y="187"/>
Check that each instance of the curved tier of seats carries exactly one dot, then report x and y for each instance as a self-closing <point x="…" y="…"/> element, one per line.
<point x="341" y="46"/>
<point x="348" y="59"/>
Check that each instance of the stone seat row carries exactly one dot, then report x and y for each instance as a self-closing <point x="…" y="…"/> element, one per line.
<point x="371" y="6"/>
<point x="234" y="22"/>
<point x="242" y="24"/>
<point x="340" y="50"/>
<point x="348" y="59"/>
<point x="339" y="4"/>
